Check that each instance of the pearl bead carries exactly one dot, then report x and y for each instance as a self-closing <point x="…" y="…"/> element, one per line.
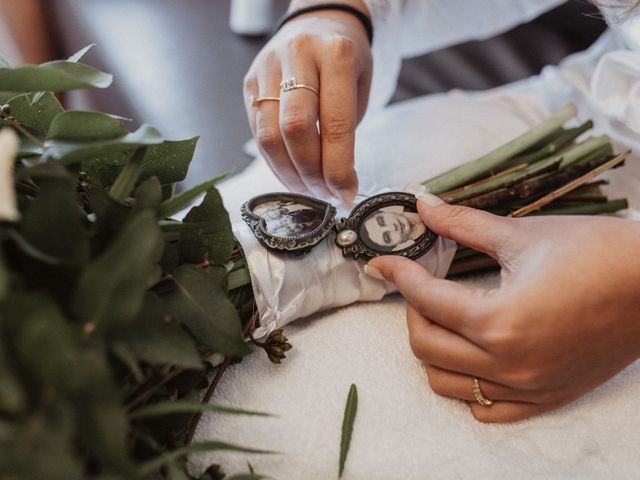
<point x="346" y="238"/>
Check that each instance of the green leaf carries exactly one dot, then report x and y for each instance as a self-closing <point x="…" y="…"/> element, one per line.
<point x="200" y="302"/>
<point x="42" y="340"/>
<point x="4" y="63"/>
<point x="184" y="406"/>
<point x="206" y="231"/>
<point x="157" y="338"/>
<point x="5" y="277"/>
<point x="126" y="356"/>
<point x="13" y="399"/>
<point x="80" y="53"/>
<point x="148" y="194"/>
<point x="155" y="464"/>
<point x="184" y="199"/>
<point x="69" y="153"/>
<point x="53" y="223"/>
<point x="169" y="161"/>
<point x="128" y="177"/>
<point x="350" y="410"/>
<point x="56" y="76"/>
<point x="78" y="126"/>
<point x="37" y="115"/>
<point x="112" y="288"/>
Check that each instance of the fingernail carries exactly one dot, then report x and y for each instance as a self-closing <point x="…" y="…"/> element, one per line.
<point x="347" y="196"/>
<point x="415" y="188"/>
<point x="429" y="199"/>
<point x="373" y="272"/>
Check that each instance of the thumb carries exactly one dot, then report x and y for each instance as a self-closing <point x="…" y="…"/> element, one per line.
<point x="477" y="229"/>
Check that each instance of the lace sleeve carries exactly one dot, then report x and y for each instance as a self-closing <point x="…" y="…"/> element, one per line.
<point x="405" y="28"/>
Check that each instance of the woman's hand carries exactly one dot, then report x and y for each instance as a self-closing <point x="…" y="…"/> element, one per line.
<point x="329" y="51"/>
<point x="565" y="319"/>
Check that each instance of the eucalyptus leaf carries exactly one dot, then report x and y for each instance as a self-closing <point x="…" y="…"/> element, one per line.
<point x="184" y="199"/>
<point x="13" y="398"/>
<point x="68" y="153"/>
<point x="128" y="177"/>
<point x="158" y="338"/>
<point x="42" y="340"/>
<point x="149" y="194"/>
<point x="155" y="464"/>
<point x="169" y="161"/>
<point x="122" y="352"/>
<point x="350" y="411"/>
<point x="79" y="126"/>
<point x="200" y="302"/>
<point x="212" y="238"/>
<point x="112" y="287"/>
<point x="36" y="115"/>
<point x="56" y="76"/>
<point x="53" y="223"/>
<point x="76" y="57"/>
<point x="178" y="406"/>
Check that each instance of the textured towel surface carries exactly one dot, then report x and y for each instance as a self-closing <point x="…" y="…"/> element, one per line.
<point x="403" y="430"/>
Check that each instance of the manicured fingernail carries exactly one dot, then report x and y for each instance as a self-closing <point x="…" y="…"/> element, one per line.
<point x="347" y="196"/>
<point x="429" y="199"/>
<point x="373" y="272"/>
<point x="415" y="188"/>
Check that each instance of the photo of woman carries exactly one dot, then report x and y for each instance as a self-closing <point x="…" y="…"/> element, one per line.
<point x="390" y="229"/>
<point x="285" y="218"/>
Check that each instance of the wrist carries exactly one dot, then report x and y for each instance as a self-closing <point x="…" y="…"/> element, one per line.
<point x="298" y="4"/>
<point x="352" y="13"/>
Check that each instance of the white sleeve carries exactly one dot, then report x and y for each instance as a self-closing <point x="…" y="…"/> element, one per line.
<point x="405" y="28"/>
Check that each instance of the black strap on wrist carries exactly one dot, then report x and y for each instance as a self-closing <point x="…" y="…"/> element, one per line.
<point x="364" y="19"/>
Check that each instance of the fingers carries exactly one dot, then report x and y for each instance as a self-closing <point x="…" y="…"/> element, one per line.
<point x="298" y="124"/>
<point x="338" y="120"/>
<point x="456" y="385"/>
<point x="494" y="235"/>
<point x="264" y="119"/>
<point x="450" y="304"/>
<point x="443" y="348"/>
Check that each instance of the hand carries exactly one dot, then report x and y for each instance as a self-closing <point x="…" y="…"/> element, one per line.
<point x="565" y="319"/>
<point x="328" y="50"/>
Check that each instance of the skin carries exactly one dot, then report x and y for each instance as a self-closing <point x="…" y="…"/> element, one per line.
<point x="329" y="51"/>
<point x="565" y="319"/>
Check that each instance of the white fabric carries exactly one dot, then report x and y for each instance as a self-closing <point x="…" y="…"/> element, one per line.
<point x="403" y="430"/>
<point x="288" y="287"/>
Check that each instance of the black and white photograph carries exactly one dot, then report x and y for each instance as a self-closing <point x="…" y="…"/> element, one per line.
<point x="391" y="229"/>
<point x="286" y="218"/>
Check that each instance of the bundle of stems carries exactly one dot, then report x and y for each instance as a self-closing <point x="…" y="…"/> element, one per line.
<point x="544" y="171"/>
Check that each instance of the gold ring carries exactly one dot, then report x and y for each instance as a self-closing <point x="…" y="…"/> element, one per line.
<point x="291" y="84"/>
<point x="255" y="101"/>
<point x="480" y="398"/>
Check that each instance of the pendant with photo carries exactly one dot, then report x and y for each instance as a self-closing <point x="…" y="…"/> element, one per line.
<point x="384" y="224"/>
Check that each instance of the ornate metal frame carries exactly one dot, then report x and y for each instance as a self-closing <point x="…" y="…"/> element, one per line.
<point x="298" y="244"/>
<point x="359" y="249"/>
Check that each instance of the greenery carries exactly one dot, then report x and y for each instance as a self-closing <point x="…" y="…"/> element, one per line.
<point x="109" y="309"/>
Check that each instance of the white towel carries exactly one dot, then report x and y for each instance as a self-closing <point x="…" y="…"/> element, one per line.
<point x="403" y="430"/>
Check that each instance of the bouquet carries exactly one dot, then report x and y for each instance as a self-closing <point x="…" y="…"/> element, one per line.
<point x="117" y="321"/>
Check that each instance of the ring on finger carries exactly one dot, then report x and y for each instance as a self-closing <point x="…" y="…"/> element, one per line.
<point x="255" y="101"/>
<point x="477" y="393"/>
<point x="291" y="84"/>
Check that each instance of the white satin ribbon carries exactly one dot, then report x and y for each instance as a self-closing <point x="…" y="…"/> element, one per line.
<point x="615" y="87"/>
<point x="288" y="287"/>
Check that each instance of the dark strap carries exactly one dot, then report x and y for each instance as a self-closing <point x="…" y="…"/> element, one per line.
<point x="364" y="19"/>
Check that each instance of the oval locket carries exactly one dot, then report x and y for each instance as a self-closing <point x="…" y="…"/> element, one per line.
<point x="384" y="224"/>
